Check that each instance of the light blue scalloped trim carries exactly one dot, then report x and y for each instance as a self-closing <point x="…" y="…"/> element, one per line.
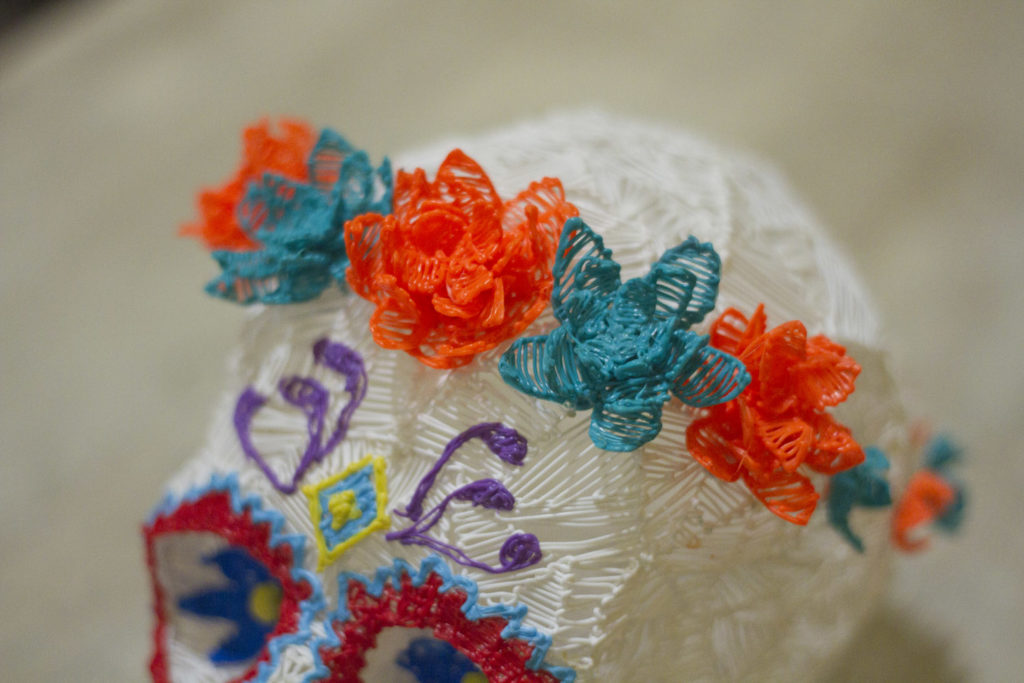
<point x="433" y="564"/>
<point x="309" y="607"/>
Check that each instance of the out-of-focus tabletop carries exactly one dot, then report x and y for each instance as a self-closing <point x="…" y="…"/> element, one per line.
<point x="899" y="123"/>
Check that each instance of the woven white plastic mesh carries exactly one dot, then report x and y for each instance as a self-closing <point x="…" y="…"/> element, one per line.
<point x="653" y="569"/>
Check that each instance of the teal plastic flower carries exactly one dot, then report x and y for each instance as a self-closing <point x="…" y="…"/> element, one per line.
<point x="299" y="225"/>
<point x="624" y="348"/>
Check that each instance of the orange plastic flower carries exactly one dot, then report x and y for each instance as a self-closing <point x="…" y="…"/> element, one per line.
<point x="454" y="271"/>
<point x="285" y="154"/>
<point x="779" y="423"/>
<point x="928" y="496"/>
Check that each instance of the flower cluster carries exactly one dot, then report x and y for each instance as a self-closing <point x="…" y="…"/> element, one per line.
<point x="623" y="349"/>
<point x="277" y="226"/>
<point x="455" y="271"/>
<point x="932" y="496"/>
<point x="283" y="153"/>
<point x="780" y="422"/>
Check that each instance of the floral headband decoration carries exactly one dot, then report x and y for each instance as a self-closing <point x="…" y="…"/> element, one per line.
<point x="932" y="496"/>
<point x="276" y="227"/>
<point x="454" y="270"/>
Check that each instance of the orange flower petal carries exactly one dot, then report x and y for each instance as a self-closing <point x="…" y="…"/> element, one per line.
<point x="547" y="198"/>
<point x="835" y="449"/>
<point x="494" y="314"/>
<point x="784" y="347"/>
<point x="719" y="455"/>
<point x="435" y="229"/>
<point x="827" y="376"/>
<point x="445" y="306"/>
<point x="467" y="281"/>
<point x="789" y="441"/>
<point x="732" y="332"/>
<point x="790" y="495"/>
<point x="397" y="323"/>
<point x="364" y="244"/>
<point x="462" y="182"/>
<point x="421" y="273"/>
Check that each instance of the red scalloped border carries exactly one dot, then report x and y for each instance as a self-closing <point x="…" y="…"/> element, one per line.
<point x="426" y="606"/>
<point x="213" y="513"/>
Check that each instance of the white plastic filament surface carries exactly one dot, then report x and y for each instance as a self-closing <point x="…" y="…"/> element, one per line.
<point x="652" y="569"/>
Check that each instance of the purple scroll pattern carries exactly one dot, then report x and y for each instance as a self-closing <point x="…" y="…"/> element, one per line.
<point x="519" y="550"/>
<point x="313" y="399"/>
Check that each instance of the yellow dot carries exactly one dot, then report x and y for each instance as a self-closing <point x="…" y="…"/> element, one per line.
<point x="265" y="602"/>
<point x="343" y="508"/>
<point x="474" y="677"/>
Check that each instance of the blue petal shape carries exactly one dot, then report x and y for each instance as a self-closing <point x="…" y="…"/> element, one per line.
<point x="686" y="277"/>
<point x="583" y="313"/>
<point x="240" y="567"/>
<point x="708" y="376"/>
<point x="286" y="215"/>
<point x="864" y="485"/>
<point x="432" y="660"/>
<point x="941" y="453"/>
<point x="582" y="264"/>
<point x="546" y="367"/>
<point x="222" y="603"/>
<point x="362" y="189"/>
<point x="326" y="159"/>
<point x="954" y="515"/>
<point x="269" y="277"/>
<point x="337" y="168"/>
<point x="634" y="304"/>
<point x="232" y="602"/>
<point x="624" y="427"/>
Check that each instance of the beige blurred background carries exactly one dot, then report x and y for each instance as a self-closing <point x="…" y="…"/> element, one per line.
<point x="900" y="125"/>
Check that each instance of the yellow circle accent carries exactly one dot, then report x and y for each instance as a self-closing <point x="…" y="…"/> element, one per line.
<point x="343" y="507"/>
<point x="265" y="602"/>
<point x="474" y="677"/>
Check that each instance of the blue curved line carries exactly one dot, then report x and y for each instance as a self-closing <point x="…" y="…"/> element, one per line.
<point x="309" y="607"/>
<point x="433" y="564"/>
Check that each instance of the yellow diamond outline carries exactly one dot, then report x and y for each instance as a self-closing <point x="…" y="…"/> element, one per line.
<point x="381" y="520"/>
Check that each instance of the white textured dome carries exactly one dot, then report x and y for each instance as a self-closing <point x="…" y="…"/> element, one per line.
<point x="652" y="568"/>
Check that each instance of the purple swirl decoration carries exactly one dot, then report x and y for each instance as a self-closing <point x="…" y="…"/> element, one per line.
<point x="313" y="399"/>
<point x="519" y="550"/>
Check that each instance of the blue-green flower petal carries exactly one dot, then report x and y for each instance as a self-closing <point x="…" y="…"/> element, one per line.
<point x="686" y="277"/>
<point x="864" y="485"/>
<point x="546" y="367"/>
<point x="582" y="264"/>
<point x="708" y="376"/>
<point x="624" y="426"/>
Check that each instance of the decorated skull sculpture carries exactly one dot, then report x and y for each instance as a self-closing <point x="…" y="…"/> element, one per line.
<point x="556" y="405"/>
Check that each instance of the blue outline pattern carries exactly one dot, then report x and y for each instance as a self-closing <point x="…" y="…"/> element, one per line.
<point x="360" y="483"/>
<point x="433" y="564"/>
<point x="309" y="607"/>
